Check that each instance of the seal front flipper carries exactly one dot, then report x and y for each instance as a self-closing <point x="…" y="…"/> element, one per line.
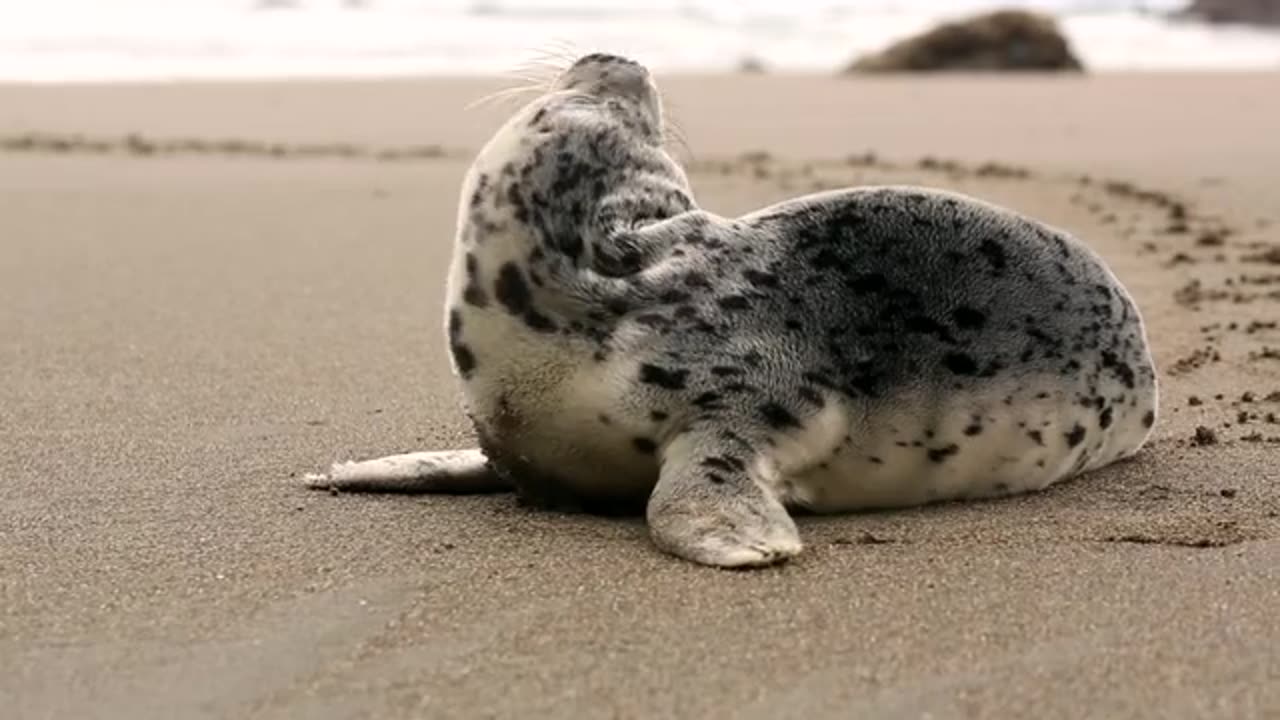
<point x="441" y="471"/>
<point x="640" y="243"/>
<point x="709" y="507"/>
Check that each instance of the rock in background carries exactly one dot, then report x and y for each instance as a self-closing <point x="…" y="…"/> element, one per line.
<point x="1002" y="40"/>
<point x="1254" y="12"/>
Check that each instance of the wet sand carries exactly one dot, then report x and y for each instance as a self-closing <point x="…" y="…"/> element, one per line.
<point x="208" y="290"/>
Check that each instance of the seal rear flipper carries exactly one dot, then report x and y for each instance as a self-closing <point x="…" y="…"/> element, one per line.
<point x="442" y="472"/>
<point x="708" y="507"/>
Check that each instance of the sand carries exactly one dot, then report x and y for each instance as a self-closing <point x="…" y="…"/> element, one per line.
<point x="187" y="325"/>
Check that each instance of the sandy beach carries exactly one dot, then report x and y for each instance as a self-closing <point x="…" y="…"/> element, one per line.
<point x="207" y="290"/>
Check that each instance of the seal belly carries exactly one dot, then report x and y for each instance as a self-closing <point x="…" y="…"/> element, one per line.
<point x="562" y="437"/>
<point x="1007" y="438"/>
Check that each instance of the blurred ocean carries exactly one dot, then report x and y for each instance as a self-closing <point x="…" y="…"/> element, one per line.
<point x="105" y="40"/>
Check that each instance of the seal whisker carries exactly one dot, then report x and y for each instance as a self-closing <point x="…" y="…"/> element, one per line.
<point x="674" y="135"/>
<point x="537" y="73"/>
<point x="560" y="53"/>
<point x="502" y="96"/>
<point x="549" y="61"/>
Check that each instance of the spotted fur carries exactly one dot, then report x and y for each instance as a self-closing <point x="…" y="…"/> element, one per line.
<point x="621" y="349"/>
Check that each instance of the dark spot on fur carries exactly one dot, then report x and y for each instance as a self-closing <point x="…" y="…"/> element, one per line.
<point x="465" y="359"/>
<point x="663" y="377"/>
<point x="927" y="326"/>
<point x="994" y="254"/>
<point x="760" y="279"/>
<point x="868" y="283"/>
<point x="716" y="479"/>
<point x="477" y="196"/>
<point x="1104" y="419"/>
<point x="658" y="416"/>
<point x="960" y="364"/>
<point x="708" y="401"/>
<point x="473" y="294"/>
<point x="940" y="454"/>
<point x="644" y="445"/>
<point x="825" y="259"/>
<point x="1121" y="369"/>
<point x="511" y="289"/>
<point x="696" y="279"/>
<point x="778" y="417"/>
<point x="818" y="378"/>
<point x="973" y="429"/>
<point x="1149" y="419"/>
<point x="727" y="463"/>
<point x="734" y="302"/>
<point x="810" y="395"/>
<point x="1075" y="436"/>
<point x="654" y="320"/>
<point x="725" y="371"/>
<point x="1037" y="436"/>
<point x="462" y="355"/>
<point x="538" y="321"/>
<point x="674" y="297"/>
<point x="968" y="319"/>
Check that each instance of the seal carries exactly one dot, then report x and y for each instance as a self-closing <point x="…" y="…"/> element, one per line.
<point x="620" y="349"/>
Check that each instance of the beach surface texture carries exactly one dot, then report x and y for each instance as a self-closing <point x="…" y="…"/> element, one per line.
<point x="208" y="290"/>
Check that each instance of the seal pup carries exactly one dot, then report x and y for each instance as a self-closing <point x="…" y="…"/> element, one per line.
<point x="621" y="349"/>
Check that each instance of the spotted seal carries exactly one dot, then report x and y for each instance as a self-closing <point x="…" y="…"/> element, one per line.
<point x="621" y="349"/>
